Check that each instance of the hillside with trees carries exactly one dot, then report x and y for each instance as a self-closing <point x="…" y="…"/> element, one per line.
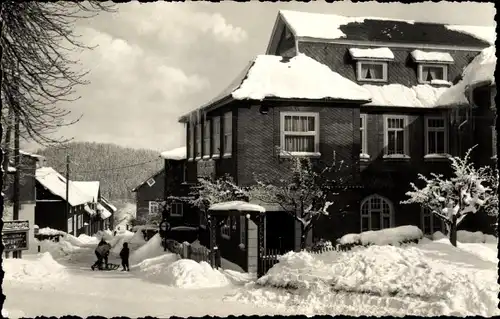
<point x="119" y="169"/>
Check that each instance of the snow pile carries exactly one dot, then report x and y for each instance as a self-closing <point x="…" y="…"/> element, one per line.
<point x="422" y="95"/>
<point x="151" y="248"/>
<point x="421" y="56"/>
<point x="389" y="236"/>
<point x="320" y="25"/>
<point x="438" y="236"/>
<point x="137" y="238"/>
<point x="46" y="231"/>
<point x="300" y="77"/>
<point x="487" y="34"/>
<point x="378" y="53"/>
<point x="464" y="236"/>
<point x="60" y="249"/>
<point x="186" y="273"/>
<point x="407" y="277"/>
<point x="481" y="69"/>
<point x="154" y="268"/>
<point x="56" y="184"/>
<point x="88" y="240"/>
<point x="177" y="154"/>
<point x="43" y="269"/>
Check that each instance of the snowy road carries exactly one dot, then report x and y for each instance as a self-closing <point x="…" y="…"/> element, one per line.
<point x="114" y="293"/>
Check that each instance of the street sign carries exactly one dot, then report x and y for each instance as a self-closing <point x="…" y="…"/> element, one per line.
<point x="164" y="226"/>
<point x="15" y="235"/>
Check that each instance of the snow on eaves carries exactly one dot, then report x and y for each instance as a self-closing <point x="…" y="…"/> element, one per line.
<point x="103" y="212"/>
<point x="487" y="34"/>
<point x="30" y="154"/>
<point x="480" y="70"/>
<point x="105" y="201"/>
<point x="301" y="77"/>
<point x="240" y="206"/>
<point x="89" y="187"/>
<point x="56" y="184"/>
<point x="421" y="56"/>
<point x="398" y="95"/>
<point x="176" y="154"/>
<point x="322" y="26"/>
<point x="377" y="53"/>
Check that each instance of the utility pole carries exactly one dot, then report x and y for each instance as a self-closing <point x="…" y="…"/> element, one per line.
<point x="67" y="193"/>
<point x="17" y="161"/>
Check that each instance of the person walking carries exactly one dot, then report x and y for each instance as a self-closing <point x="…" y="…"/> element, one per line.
<point x="124" y="253"/>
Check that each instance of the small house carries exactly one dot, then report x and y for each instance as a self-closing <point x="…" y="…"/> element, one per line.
<point x="149" y="195"/>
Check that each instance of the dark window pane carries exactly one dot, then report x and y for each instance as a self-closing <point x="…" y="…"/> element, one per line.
<point x="400" y="142"/>
<point x="375" y="221"/>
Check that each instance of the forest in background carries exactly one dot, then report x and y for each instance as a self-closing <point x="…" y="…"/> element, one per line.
<point x="119" y="169"/>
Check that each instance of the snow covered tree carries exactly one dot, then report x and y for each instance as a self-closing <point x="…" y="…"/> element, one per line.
<point x="306" y="194"/>
<point x="451" y="199"/>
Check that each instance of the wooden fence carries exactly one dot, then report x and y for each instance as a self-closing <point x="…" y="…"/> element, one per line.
<point x="187" y="251"/>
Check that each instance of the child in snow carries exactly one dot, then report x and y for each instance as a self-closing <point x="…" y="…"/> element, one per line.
<point x="124" y="256"/>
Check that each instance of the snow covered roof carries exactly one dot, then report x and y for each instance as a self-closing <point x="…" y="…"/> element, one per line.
<point x="480" y="70"/>
<point x="422" y="95"/>
<point x="56" y="184"/>
<point x="377" y="53"/>
<point x="107" y="203"/>
<point x="487" y="34"/>
<point x="31" y="154"/>
<point x="240" y="206"/>
<point x="103" y="212"/>
<point x="176" y="154"/>
<point x="301" y="78"/>
<point x="308" y="25"/>
<point x="421" y="56"/>
<point x="152" y="176"/>
<point x="89" y="210"/>
<point x="89" y="187"/>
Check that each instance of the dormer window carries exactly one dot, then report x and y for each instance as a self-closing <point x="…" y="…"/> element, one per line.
<point x="432" y="66"/>
<point x="371" y="64"/>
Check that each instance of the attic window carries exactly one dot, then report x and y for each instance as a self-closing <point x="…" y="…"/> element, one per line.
<point x="150" y="182"/>
<point x="371" y="71"/>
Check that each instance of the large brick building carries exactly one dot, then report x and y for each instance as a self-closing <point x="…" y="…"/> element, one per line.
<point x="403" y="126"/>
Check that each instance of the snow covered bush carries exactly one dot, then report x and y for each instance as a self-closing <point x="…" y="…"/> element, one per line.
<point x="305" y="194"/>
<point x="390" y="236"/>
<point x="451" y="199"/>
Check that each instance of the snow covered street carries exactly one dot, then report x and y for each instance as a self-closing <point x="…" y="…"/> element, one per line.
<point x="429" y="278"/>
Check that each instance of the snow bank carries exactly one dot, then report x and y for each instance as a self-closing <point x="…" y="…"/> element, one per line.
<point x="88" y="240"/>
<point x="422" y="95"/>
<point x="151" y="248"/>
<point x="378" y="53"/>
<point x="389" y="236"/>
<point x="43" y="269"/>
<point x="177" y="154"/>
<point x="300" y="77"/>
<point x="464" y="236"/>
<point x="186" y="273"/>
<point x="397" y="274"/>
<point x="46" y="231"/>
<point x="60" y="249"/>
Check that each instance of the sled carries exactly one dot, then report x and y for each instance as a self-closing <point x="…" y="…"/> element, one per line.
<point x="110" y="267"/>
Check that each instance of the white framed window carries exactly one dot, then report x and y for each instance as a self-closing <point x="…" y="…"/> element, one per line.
<point x="206" y="139"/>
<point x="198" y="141"/>
<point x="363" y="137"/>
<point x="436" y="136"/>
<point x="243" y="230"/>
<point x="177" y="209"/>
<point x="203" y="220"/>
<point x="299" y="133"/>
<point x="395" y="135"/>
<point x="225" y="229"/>
<point x="228" y="133"/>
<point x="216" y="136"/>
<point x="432" y="72"/>
<point x="373" y="71"/>
<point x="493" y="141"/>
<point x="70" y="225"/>
<point x="150" y="182"/>
<point x="153" y="207"/>
<point x="430" y="223"/>
<point x="376" y="213"/>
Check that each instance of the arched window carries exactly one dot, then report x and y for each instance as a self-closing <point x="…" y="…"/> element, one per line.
<point x="376" y="213"/>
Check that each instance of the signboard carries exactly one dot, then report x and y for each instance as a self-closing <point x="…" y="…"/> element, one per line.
<point x="15" y="235"/>
<point x="206" y="168"/>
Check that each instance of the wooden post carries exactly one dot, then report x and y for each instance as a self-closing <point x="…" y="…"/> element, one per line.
<point x="260" y="245"/>
<point x="67" y="193"/>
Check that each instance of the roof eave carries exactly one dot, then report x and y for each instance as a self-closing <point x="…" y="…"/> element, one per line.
<point x="210" y="107"/>
<point x="324" y="100"/>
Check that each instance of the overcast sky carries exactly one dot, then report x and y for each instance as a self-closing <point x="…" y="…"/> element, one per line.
<point x="157" y="61"/>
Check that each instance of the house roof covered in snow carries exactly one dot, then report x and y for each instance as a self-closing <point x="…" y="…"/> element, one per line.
<point x="481" y="71"/>
<point x="38" y="157"/>
<point x="307" y="25"/>
<point x="176" y="154"/>
<point x="151" y="177"/>
<point x="56" y="184"/>
<point x="398" y="95"/>
<point x="300" y="77"/>
<point x="106" y="202"/>
<point x="89" y="187"/>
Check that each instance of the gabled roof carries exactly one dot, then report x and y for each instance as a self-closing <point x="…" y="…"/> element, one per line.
<point x="106" y="202"/>
<point x="89" y="187"/>
<point x="152" y="176"/>
<point x="307" y="25"/>
<point x="56" y="184"/>
<point x="300" y="77"/>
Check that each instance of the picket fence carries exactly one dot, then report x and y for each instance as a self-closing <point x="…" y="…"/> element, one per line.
<point x="187" y="251"/>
